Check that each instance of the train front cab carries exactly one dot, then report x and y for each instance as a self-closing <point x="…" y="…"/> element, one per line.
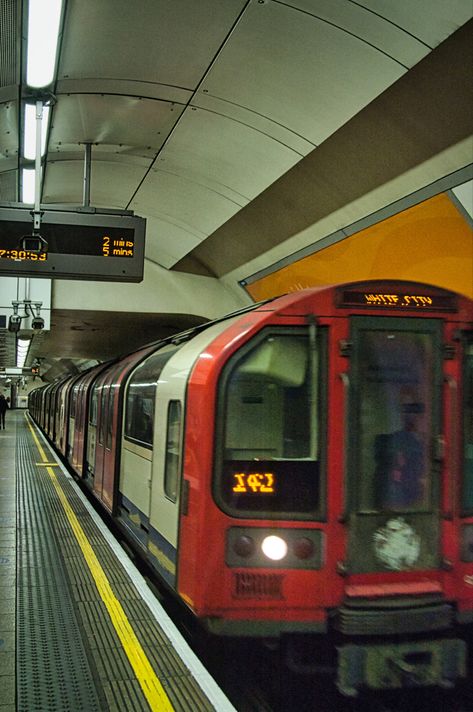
<point x="341" y="481"/>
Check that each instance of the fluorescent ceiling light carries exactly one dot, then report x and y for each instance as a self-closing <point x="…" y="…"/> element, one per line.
<point x="29" y="138"/>
<point x="22" y="347"/>
<point x="44" y="17"/>
<point x="27" y="185"/>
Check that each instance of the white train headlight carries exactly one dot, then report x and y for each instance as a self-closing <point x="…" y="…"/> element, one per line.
<point x="274" y="547"/>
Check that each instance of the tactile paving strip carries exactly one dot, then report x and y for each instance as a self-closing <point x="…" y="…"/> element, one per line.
<point x="118" y="690"/>
<point x="53" y="671"/>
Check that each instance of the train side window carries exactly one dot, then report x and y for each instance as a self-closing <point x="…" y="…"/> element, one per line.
<point x="141" y="395"/>
<point x="468" y="427"/>
<point x="173" y="449"/>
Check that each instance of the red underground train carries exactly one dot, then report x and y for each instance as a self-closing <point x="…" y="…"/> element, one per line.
<point x="301" y="470"/>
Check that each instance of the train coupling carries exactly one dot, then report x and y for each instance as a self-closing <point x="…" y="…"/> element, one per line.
<point x="419" y="664"/>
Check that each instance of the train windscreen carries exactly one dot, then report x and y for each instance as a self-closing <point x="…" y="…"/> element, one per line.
<point x="269" y="434"/>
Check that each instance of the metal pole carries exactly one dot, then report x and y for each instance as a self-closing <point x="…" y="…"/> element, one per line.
<point x="37" y="168"/>
<point x="87" y="170"/>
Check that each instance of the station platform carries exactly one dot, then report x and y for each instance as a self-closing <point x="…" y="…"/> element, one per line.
<point x="79" y="627"/>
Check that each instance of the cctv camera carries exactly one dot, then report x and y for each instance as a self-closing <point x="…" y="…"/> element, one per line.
<point x="37" y="322"/>
<point x="14" y="323"/>
<point x="33" y="243"/>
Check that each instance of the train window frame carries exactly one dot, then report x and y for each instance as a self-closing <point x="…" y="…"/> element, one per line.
<point x="319" y="513"/>
<point x="467" y="421"/>
<point x="156" y="360"/>
<point x="402" y="324"/>
<point x="93" y="405"/>
<point x="172" y="475"/>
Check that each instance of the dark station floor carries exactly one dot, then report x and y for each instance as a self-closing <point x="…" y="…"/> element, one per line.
<point x="79" y="628"/>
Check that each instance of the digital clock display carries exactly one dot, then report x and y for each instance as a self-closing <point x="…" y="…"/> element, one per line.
<point x="20" y="255"/>
<point x="415" y="300"/>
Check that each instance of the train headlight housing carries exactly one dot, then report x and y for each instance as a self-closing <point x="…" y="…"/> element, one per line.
<point x="274" y="547"/>
<point x="253" y="547"/>
<point x="304" y="547"/>
<point x="244" y="546"/>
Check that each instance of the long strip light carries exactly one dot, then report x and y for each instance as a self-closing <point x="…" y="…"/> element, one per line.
<point x="44" y="17"/>
<point x="27" y="185"/>
<point x="29" y="138"/>
<point x="22" y="348"/>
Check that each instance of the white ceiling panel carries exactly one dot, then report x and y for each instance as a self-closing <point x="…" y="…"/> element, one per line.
<point x="111" y="182"/>
<point x="166" y="242"/>
<point x="139" y="126"/>
<point x="264" y="124"/>
<point x="224" y="155"/>
<point x="304" y="73"/>
<point x="369" y="27"/>
<point x="147" y="40"/>
<point x="181" y="201"/>
<point x="431" y="21"/>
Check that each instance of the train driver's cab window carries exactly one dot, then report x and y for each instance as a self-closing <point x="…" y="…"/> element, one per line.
<point x="396" y="416"/>
<point x="268" y="426"/>
<point x="468" y="428"/>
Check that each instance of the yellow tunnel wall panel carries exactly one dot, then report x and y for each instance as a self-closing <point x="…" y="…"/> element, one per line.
<point x="431" y="242"/>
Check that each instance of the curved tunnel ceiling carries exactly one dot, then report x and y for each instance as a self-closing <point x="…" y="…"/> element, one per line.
<point x="232" y="125"/>
<point x="195" y="109"/>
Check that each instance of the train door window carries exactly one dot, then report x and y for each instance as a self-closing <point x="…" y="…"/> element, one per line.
<point x="113" y="387"/>
<point x="93" y="406"/>
<point x="468" y="427"/>
<point x="73" y="403"/>
<point x="102" y="394"/>
<point x="173" y="449"/>
<point x="396" y="417"/>
<point x="269" y="439"/>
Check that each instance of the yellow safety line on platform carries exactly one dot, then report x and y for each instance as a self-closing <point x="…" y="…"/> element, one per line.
<point x="149" y="682"/>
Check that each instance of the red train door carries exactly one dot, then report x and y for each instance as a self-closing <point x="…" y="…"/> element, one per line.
<point x="393" y="472"/>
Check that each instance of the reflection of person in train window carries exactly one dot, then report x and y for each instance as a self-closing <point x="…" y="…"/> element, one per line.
<point x="400" y="462"/>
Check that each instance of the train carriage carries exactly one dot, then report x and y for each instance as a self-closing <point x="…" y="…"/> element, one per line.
<point x="305" y="470"/>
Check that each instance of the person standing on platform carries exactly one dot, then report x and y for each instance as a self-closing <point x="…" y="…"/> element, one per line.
<point x="3" y="410"/>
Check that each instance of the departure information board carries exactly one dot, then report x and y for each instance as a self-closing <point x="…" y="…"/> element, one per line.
<point x="72" y="245"/>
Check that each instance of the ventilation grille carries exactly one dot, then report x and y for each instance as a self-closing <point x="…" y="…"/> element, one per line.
<point x="8" y="42"/>
<point x="246" y="585"/>
<point x="393" y="621"/>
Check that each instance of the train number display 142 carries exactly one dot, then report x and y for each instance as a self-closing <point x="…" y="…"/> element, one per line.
<point x="299" y="470"/>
